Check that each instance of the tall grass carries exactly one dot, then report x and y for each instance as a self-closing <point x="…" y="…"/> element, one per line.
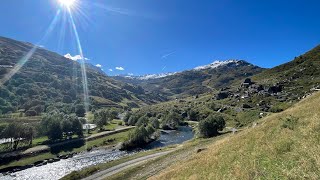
<point x="283" y="146"/>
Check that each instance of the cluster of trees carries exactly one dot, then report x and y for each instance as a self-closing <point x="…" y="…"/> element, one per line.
<point x="170" y="120"/>
<point x="104" y="116"/>
<point x="147" y="125"/>
<point x="209" y="123"/>
<point x="140" y="136"/>
<point x="57" y="125"/>
<point x="17" y="133"/>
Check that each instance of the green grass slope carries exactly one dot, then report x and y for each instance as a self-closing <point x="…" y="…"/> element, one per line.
<point x="282" y="146"/>
<point x="48" y="78"/>
<point x="297" y="76"/>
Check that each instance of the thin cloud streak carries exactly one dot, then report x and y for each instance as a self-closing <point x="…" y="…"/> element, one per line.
<point x="167" y="55"/>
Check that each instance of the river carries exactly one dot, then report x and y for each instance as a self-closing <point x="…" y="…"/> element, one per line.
<point x="56" y="170"/>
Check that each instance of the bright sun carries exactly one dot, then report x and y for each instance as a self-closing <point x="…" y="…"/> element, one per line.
<point x="67" y="3"/>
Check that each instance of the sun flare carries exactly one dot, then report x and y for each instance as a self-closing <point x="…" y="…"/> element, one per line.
<point x="67" y="3"/>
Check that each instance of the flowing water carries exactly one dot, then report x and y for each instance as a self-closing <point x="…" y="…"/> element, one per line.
<point x="63" y="167"/>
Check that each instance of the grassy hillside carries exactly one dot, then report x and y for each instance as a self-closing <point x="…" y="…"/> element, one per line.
<point x="49" y="79"/>
<point x="297" y="76"/>
<point x="281" y="146"/>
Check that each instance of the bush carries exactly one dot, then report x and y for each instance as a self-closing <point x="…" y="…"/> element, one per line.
<point x="290" y="122"/>
<point x="171" y="121"/>
<point x="80" y="110"/>
<point x="31" y="113"/>
<point x="126" y="117"/>
<point x="155" y="122"/>
<point x="143" y="121"/>
<point x="102" y="118"/>
<point x="133" y="120"/>
<point x="139" y="137"/>
<point x="210" y="126"/>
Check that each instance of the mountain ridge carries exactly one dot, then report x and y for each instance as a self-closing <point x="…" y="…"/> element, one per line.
<point x="49" y="79"/>
<point x="199" y="80"/>
<point x="214" y="64"/>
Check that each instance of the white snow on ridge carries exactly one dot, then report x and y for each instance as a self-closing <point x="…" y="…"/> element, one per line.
<point x="216" y="64"/>
<point x="151" y="76"/>
<point x="213" y="65"/>
<point x="155" y="76"/>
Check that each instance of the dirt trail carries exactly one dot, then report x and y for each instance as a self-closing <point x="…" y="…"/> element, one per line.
<point x="118" y="168"/>
<point x="43" y="148"/>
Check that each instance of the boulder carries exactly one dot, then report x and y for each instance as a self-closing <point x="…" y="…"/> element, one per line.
<point x="200" y="150"/>
<point x="246" y="106"/>
<point x="247" y="82"/>
<point x="222" y="95"/>
<point x="275" y="89"/>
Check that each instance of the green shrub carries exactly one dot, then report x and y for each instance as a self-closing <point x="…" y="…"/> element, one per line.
<point x="210" y="126"/>
<point x="290" y="122"/>
<point x="171" y="121"/>
<point x="139" y="137"/>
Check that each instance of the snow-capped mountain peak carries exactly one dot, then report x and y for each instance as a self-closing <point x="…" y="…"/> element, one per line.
<point x="149" y="76"/>
<point x="155" y="76"/>
<point x="216" y="64"/>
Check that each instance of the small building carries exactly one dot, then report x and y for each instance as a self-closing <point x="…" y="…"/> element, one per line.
<point x="89" y="126"/>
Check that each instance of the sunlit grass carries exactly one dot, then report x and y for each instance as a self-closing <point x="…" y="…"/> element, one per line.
<point x="269" y="151"/>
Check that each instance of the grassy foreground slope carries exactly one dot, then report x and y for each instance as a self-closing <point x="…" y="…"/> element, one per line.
<point x="282" y="146"/>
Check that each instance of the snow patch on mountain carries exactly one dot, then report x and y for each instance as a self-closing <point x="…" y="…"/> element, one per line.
<point x="216" y="64"/>
<point x="150" y="76"/>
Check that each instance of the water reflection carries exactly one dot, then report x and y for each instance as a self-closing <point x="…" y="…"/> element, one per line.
<point x="170" y="137"/>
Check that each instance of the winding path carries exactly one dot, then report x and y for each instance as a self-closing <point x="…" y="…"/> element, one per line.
<point x="44" y="148"/>
<point x="118" y="168"/>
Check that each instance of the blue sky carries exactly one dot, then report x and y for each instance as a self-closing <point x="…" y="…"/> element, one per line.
<point x="156" y="36"/>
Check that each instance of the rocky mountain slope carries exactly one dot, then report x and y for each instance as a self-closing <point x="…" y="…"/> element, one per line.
<point x="199" y="80"/>
<point x="48" y="79"/>
<point x="298" y="77"/>
<point x="243" y="101"/>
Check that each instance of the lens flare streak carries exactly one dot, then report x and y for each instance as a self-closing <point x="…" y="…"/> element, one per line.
<point x="82" y="63"/>
<point x="25" y="59"/>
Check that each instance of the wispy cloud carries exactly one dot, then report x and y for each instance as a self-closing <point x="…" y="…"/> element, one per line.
<point x="127" y="12"/>
<point x="167" y="55"/>
<point x="99" y="65"/>
<point x="74" y="58"/>
<point x="119" y="11"/>
<point x="110" y="70"/>
<point x="120" y="68"/>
